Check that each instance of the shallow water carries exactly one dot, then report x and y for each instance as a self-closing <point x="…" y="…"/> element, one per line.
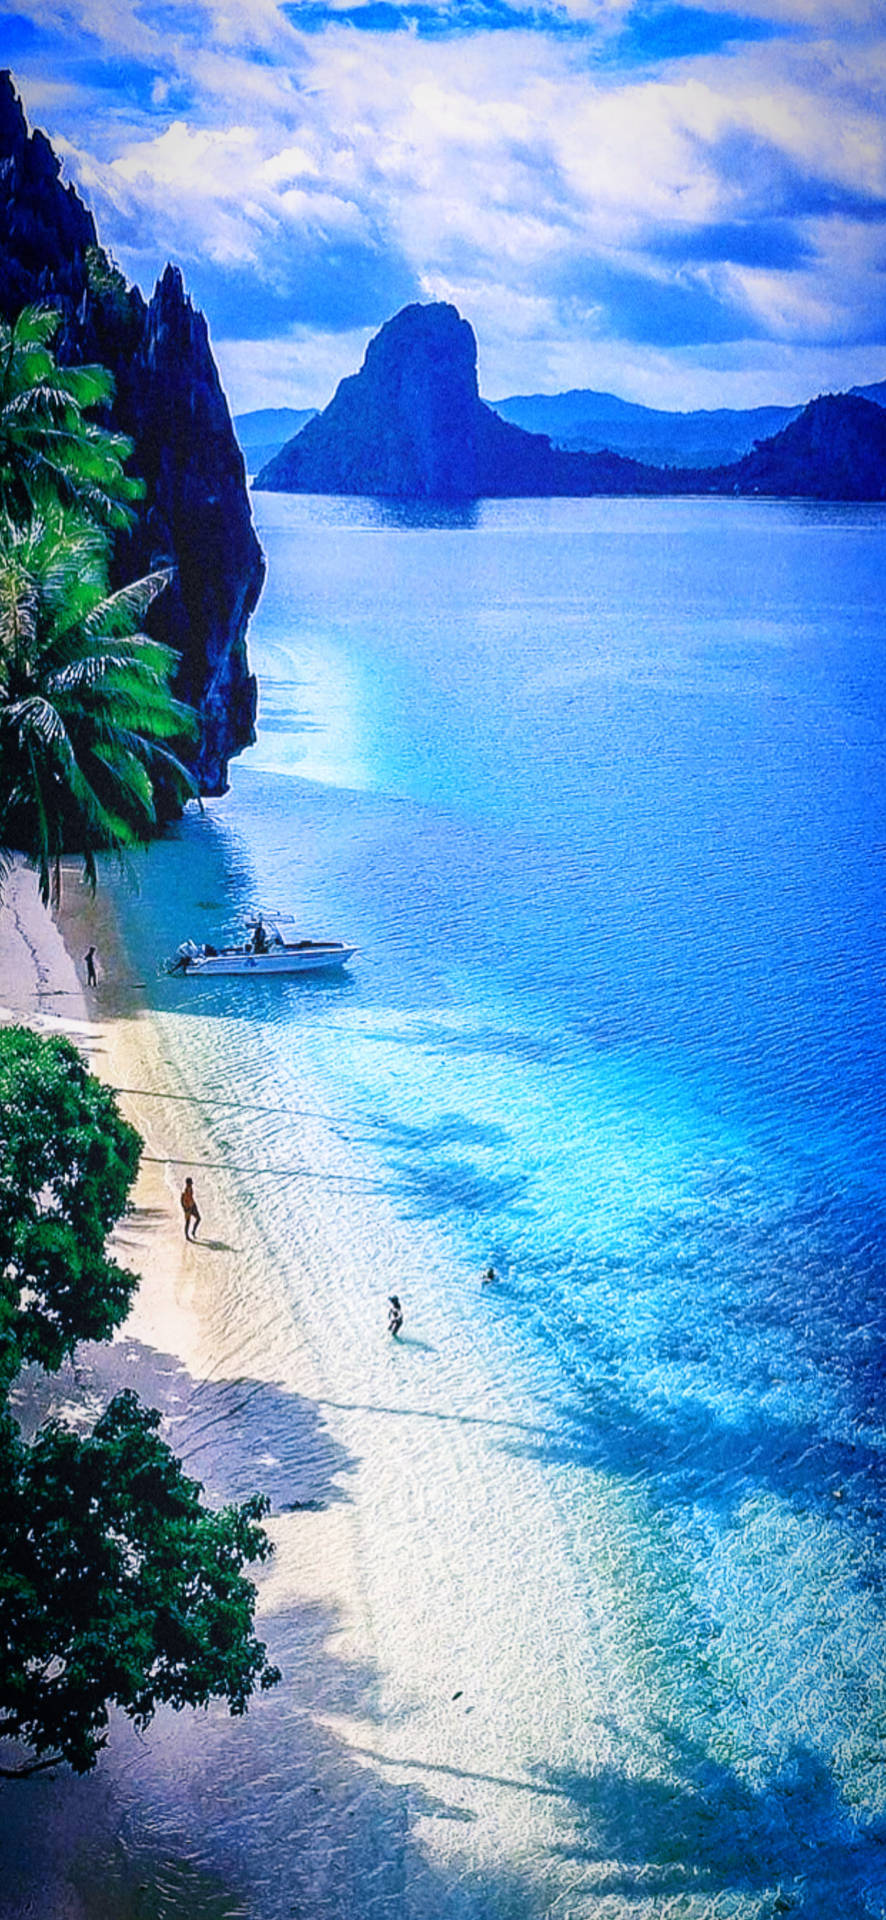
<point x="598" y="788"/>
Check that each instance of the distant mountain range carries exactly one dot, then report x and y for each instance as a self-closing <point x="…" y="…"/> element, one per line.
<point x="411" y="425"/>
<point x="588" y="422"/>
<point x="584" y="421"/>
<point x="263" y="433"/>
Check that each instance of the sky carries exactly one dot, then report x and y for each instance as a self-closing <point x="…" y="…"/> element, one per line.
<point x="683" y="204"/>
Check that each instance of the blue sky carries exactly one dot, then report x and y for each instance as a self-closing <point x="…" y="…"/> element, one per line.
<point x="682" y="204"/>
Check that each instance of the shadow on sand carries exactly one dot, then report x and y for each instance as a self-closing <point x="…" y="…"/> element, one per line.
<point x="208" y="1818"/>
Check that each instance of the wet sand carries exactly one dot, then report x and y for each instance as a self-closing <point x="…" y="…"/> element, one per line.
<point x="91" y="1851"/>
<point x="449" y="1686"/>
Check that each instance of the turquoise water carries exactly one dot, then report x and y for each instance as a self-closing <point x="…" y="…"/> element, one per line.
<point x="599" y="790"/>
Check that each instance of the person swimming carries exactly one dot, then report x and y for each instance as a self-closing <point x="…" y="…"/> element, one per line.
<point x="395" y="1314"/>
<point x="490" y="1274"/>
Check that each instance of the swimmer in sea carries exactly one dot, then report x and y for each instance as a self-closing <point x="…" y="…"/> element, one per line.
<point x="395" y="1314"/>
<point x="485" y="1278"/>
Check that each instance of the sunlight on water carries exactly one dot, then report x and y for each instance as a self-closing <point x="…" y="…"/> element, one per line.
<point x="311" y="716"/>
<point x="598" y="789"/>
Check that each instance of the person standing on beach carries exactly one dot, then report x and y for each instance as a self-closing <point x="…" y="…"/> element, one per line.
<point x="89" y="963"/>
<point x="190" y="1209"/>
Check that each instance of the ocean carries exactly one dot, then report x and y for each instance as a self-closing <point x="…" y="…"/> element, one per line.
<point x="598" y="789"/>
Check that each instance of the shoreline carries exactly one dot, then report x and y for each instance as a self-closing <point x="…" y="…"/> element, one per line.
<point x="430" y="1751"/>
<point x="168" y="1351"/>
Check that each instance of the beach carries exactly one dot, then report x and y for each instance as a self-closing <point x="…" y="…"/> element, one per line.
<point x="413" y="1736"/>
<point x="577" y="1589"/>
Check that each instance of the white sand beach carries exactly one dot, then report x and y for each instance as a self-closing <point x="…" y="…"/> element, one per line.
<point x="437" y="1655"/>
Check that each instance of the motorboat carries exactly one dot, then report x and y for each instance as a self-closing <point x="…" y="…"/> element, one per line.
<point x="269" y="948"/>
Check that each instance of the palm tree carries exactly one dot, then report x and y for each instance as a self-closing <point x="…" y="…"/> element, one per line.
<point x="47" y="446"/>
<point x="87" y="717"/>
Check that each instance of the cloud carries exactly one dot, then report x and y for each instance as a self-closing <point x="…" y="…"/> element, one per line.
<point x="304" y="363"/>
<point x="795" y="179"/>
<point x="685" y="309"/>
<point x="331" y="288"/>
<point x="584" y="179"/>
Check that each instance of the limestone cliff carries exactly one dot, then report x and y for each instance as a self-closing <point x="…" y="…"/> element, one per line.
<point x="169" y="400"/>
<point x="411" y="425"/>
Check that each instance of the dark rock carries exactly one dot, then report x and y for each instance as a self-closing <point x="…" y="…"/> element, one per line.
<point x="835" y="450"/>
<point x="404" y="426"/>
<point x="411" y="425"/>
<point x="169" y="400"/>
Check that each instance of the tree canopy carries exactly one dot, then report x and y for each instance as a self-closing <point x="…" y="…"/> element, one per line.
<point x="87" y="714"/>
<point x="67" y="1163"/>
<point x="117" y="1584"/>
<point x="88" y="720"/>
<point x="49" y="448"/>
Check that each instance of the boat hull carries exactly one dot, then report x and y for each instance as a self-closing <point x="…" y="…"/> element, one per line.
<point x="316" y="959"/>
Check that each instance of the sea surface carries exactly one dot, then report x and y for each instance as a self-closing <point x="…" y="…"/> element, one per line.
<point x="598" y="789"/>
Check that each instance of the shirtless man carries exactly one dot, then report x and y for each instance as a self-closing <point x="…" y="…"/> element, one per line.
<point x="190" y="1209"/>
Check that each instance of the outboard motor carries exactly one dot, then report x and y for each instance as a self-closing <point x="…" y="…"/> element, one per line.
<point x="183" y="956"/>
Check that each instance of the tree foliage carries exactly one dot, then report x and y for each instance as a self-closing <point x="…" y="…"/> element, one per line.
<point x="117" y="1585"/>
<point x="87" y="714"/>
<point x="67" y="1162"/>
<point x="88" y="720"/>
<point x="49" y="448"/>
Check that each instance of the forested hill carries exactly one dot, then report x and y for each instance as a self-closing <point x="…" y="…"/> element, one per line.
<point x="582" y="420"/>
<point x="835" y="450"/>
<point x="169" y="401"/>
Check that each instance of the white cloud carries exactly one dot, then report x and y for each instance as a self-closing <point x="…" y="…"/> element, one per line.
<point x="301" y="369"/>
<point x="494" y="169"/>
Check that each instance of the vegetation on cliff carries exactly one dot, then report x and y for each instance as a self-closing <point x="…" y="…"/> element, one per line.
<point x="194" y="519"/>
<point x="118" y="1586"/>
<point x="88" y="721"/>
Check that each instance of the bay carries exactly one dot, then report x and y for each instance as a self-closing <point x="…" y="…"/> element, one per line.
<point x="599" y="790"/>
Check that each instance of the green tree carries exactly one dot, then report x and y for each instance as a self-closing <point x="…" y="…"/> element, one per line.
<point x="67" y="1163"/>
<point x="117" y="1585"/>
<point x="49" y="449"/>
<point x="87" y="715"/>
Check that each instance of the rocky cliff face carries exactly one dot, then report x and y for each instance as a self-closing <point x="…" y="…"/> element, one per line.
<point x="169" y="400"/>
<point x="411" y="425"/>
<point x="405" y="425"/>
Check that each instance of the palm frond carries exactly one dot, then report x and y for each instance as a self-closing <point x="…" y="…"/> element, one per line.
<point x="35" y="325"/>
<point x="89" y="386"/>
<point x="88" y="721"/>
<point x="125" y="609"/>
<point x="131" y="780"/>
<point x="39" y="401"/>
